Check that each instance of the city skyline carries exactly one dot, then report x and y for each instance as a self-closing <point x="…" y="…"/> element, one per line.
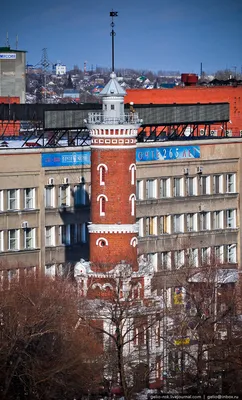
<point x="155" y="35"/>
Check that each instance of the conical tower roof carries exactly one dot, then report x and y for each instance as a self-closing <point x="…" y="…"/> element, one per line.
<point x="113" y="88"/>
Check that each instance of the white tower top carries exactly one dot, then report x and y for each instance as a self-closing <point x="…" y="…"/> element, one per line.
<point x="113" y="88"/>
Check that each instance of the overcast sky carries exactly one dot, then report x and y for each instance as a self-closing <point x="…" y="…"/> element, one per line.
<point x="150" y="34"/>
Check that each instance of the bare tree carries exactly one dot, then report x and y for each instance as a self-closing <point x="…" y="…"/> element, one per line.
<point x="43" y="353"/>
<point x="123" y="316"/>
<point x="204" y="330"/>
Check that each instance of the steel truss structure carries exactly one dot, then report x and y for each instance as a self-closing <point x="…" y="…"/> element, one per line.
<point x="65" y="125"/>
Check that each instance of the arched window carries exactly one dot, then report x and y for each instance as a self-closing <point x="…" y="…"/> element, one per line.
<point x="134" y="242"/>
<point x="132" y="199"/>
<point x="102" y="204"/>
<point x="136" y="291"/>
<point x="102" y="168"/>
<point x="132" y="169"/>
<point x="101" y="242"/>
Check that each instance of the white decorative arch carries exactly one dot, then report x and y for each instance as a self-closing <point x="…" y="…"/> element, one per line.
<point x="134" y="241"/>
<point x="96" y="285"/>
<point x="102" y="168"/>
<point x="132" y="199"/>
<point x="132" y="169"/>
<point x="101" y="242"/>
<point x="107" y="285"/>
<point x="102" y="198"/>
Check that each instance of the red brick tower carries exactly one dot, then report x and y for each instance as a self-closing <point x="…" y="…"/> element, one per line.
<point x="113" y="229"/>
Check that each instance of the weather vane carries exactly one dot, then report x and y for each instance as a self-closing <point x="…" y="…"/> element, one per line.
<point x="113" y="14"/>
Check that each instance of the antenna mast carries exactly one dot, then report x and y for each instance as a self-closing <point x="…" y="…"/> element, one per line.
<point x="113" y="14"/>
<point x="7" y="40"/>
<point x="45" y="64"/>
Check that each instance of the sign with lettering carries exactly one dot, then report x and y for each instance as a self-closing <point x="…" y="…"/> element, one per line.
<point x="7" y="56"/>
<point x="167" y="153"/>
<point x="70" y="159"/>
<point x="66" y="159"/>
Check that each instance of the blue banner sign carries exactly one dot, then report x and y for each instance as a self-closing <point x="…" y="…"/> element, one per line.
<point x="66" y="159"/>
<point x="7" y="56"/>
<point x="70" y="159"/>
<point x="167" y="153"/>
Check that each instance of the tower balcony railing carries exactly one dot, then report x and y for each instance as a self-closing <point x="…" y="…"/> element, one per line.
<point x="100" y="118"/>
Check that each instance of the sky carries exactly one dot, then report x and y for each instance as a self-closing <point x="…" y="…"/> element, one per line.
<point x="150" y="34"/>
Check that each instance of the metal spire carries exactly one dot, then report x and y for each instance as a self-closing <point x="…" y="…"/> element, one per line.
<point x="113" y="14"/>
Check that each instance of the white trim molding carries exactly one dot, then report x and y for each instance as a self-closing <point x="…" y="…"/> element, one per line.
<point x="114" y="146"/>
<point x="134" y="241"/>
<point x="113" y="228"/>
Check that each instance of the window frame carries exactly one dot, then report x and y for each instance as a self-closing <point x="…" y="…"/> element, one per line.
<point x="32" y="237"/>
<point x="15" y="199"/>
<point x="49" y="195"/>
<point x="30" y="198"/>
<point x="17" y="246"/>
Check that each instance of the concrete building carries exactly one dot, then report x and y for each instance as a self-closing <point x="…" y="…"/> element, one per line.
<point x="60" y="69"/>
<point x="187" y="198"/>
<point x="12" y="73"/>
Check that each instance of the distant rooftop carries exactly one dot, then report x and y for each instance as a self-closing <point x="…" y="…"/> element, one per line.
<point x="7" y="49"/>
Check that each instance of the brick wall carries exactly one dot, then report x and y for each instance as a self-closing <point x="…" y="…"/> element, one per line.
<point x="117" y="186"/>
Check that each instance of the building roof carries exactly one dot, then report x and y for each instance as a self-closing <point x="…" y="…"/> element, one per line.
<point x="7" y="49"/>
<point x="113" y="88"/>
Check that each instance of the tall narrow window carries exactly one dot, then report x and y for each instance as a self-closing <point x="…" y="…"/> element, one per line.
<point x="151" y="189"/>
<point x="191" y="184"/>
<point x="64" y="196"/>
<point x="132" y="200"/>
<point x="50" y="236"/>
<point x="1" y="201"/>
<point x="151" y="226"/>
<point x="1" y="240"/>
<point x="13" y="239"/>
<point x="205" y="185"/>
<point x="29" y="238"/>
<point x="219" y="254"/>
<point x="218" y="220"/>
<point x="140" y="190"/>
<point x="80" y="195"/>
<point x="178" y="187"/>
<point x="102" y="168"/>
<point x="205" y="221"/>
<point x="178" y="258"/>
<point x="29" y="198"/>
<point x="65" y="234"/>
<point x="178" y="223"/>
<point x="165" y="260"/>
<point x="49" y="196"/>
<point x="191" y="222"/>
<point x="231" y="253"/>
<point x="192" y="257"/>
<point x="205" y="255"/>
<point x="231" y="218"/>
<point x="217" y="184"/>
<point x="230" y="183"/>
<point x="13" y="199"/>
<point x="132" y="169"/>
<point x="164" y="187"/>
<point x="102" y="204"/>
